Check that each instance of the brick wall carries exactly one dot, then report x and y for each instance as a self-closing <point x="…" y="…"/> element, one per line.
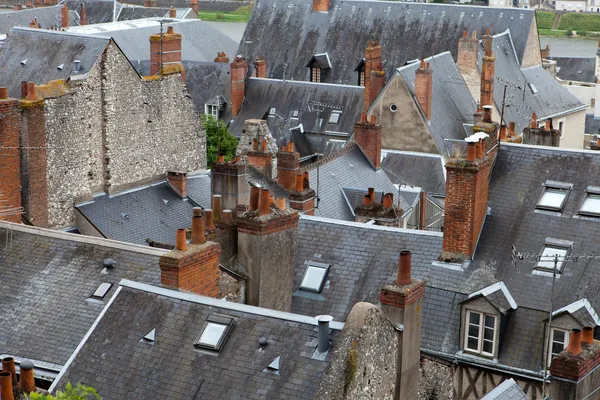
<point x="424" y="88"/>
<point x="374" y="73"/>
<point x="10" y="165"/>
<point x="368" y="136"/>
<point x="287" y="168"/>
<point x="467" y="53"/>
<point x="238" y="67"/>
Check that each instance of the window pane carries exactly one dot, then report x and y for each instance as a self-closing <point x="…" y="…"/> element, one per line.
<point x="212" y="334"/>
<point x="474" y="318"/>
<point x="557" y="348"/>
<point x="313" y="278"/>
<point x="488" y="347"/>
<point x="591" y="205"/>
<point x="559" y="336"/>
<point x="474" y="330"/>
<point x="490" y="321"/>
<point x="102" y="290"/>
<point x="472" y="344"/>
<point x="549" y="252"/>
<point x="552" y="198"/>
<point x="488" y="334"/>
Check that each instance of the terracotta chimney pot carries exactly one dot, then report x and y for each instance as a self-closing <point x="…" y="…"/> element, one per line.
<point x="471" y="151"/>
<point x="30" y="91"/>
<point x="221" y="159"/>
<point x="216" y="206"/>
<point x="254" y="198"/>
<point x="373" y="120"/>
<point x="511" y="129"/>
<point x="367" y="200"/>
<point x="503" y="132"/>
<point x="372" y="194"/>
<point x="209" y="224"/>
<point x="264" y="145"/>
<point x="404" y="277"/>
<point x="306" y="182"/>
<point x="534" y="123"/>
<point x="548" y="125"/>
<point x="198" y="236"/>
<point x="8" y="365"/>
<point x="587" y="335"/>
<point x="180" y="243"/>
<point x="3" y="93"/>
<point x="299" y="183"/>
<point x="575" y="342"/>
<point x="27" y="376"/>
<point x="290" y="147"/>
<point x="281" y="203"/>
<point x="265" y="202"/>
<point x="6" y="388"/>
<point x="271" y="200"/>
<point x="388" y="200"/>
<point x="228" y="217"/>
<point x="363" y="117"/>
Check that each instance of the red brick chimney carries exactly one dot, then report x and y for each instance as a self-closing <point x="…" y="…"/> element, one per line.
<point x="267" y="238"/>
<point x="302" y="198"/>
<point x="83" y="15"/>
<point x="381" y="210"/>
<point x="374" y="73"/>
<point x="64" y="16"/>
<point x="288" y="166"/>
<point x="171" y="52"/>
<point x="178" y="182"/>
<point x="260" y="65"/>
<point x="10" y="166"/>
<point x="368" y="135"/>
<point x="172" y="12"/>
<point x="424" y="88"/>
<point x="17" y="7"/>
<point x="192" y="267"/>
<point x="487" y="72"/>
<point x="468" y="52"/>
<point x="194" y="6"/>
<point x="239" y="67"/>
<point x="466" y="201"/>
<point x="402" y="302"/>
<point x="321" y="5"/>
<point x="545" y="53"/>
<point x="222" y="58"/>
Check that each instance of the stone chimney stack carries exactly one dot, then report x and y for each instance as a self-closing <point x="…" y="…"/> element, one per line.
<point x="466" y="200"/>
<point x="167" y="54"/>
<point x="192" y="267"/>
<point x="260" y="66"/>
<point x="302" y="198"/>
<point x="239" y="67"/>
<point x="576" y="368"/>
<point x="321" y="5"/>
<point x="10" y="166"/>
<point x="267" y="239"/>
<point x="178" y="182"/>
<point x="543" y="135"/>
<point x="468" y="53"/>
<point x="288" y="166"/>
<point x="374" y="74"/>
<point x="402" y="302"/>
<point x="382" y="209"/>
<point x="487" y="72"/>
<point x="261" y="153"/>
<point x="64" y="16"/>
<point x="228" y="179"/>
<point x="368" y="135"/>
<point x="424" y="88"/>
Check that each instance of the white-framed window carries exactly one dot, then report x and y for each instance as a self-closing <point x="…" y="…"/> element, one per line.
<point x="334" y="118"/>
<point x="315" y="74"/>
<point x="211" y="109"/>
<point x="314" y="277"/>
<point x="480" y="333"/>
<point x="215" y="333"/>
<point x="552" y="248"/>
<point x="102" y="290"/>
<point x="361" y="77"/>
<point x="591" y="203"/>
<point x="554" y="196"/>
<point x="560" y="340"/>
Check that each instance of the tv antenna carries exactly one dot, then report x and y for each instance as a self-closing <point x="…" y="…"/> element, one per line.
<point x="534" y="258"/>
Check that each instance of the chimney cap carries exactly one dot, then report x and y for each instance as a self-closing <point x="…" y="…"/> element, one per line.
<point x="109" y="263"/>
<point x="472" y="139"/>
<point x="324" y="318"/>
<point x="26" y="365"/>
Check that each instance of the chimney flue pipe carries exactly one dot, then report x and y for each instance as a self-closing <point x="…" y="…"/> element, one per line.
<point x="323" y="321"/>
<point x="404" y="261"/>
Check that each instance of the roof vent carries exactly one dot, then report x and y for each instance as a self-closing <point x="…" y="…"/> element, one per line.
<point x="109" y="263"/>
<point x="323" y="321"/>
<point x="24" y="62"/>
<point x="263" y="342"/>
<point x="125" y="215"/>
<point x="274" y="366"/>
<point x="77" y="66"/>
<point x="60" y="67"/>
<point x="166" y="202"/>
<point x="150" y="337"/>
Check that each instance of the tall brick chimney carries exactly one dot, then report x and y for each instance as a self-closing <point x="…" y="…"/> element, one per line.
<point x="178" y="182"/>
<point x="222" y="58"/>
<point x="83" y="15"/>
<point x="424" y="88"/>
<point x="402" y="302"/>
<point x="228" y="179"/>
<point x="368" y="135"/>
<point x="192" y="267"/>
<point x="10" y="166"/>
<point x="468" y="52"/>
<point x="170" y="51"/>
<point x="466" y="201"/>
<point x="374" y="73"/>
<point x="487" y="72"/>
<point x="238" y="67"/>
<point x="194" y="6"/>
<point x="172" y="12"/>
<point x="64" y="16"/>
<point x="302" y="198"/>
<point x="545" y="52"/>
<point x="288" y="166"/>
<point x="266" y="253"/>
<point x="260" y="65"/>
<point x="321" y="5"/>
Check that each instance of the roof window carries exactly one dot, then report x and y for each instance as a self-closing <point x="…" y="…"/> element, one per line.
<point x="215" y="333"/>
<point x="295" y="114"/>
<point x="272" y="111"/>
<point x="533" y="88"/>
<point x="553" y="248"/>
<point x="334" y="118"/>
<point x="102" y="290"/>
<point x="591" y="203"/>
<point x="554" y="196"/>
<point x="314" y="277"/>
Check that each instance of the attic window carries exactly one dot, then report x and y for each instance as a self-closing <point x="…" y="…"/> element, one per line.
<point x="554" y="196"/>
<point x="314" y="277"/>
<point x="553" y="248"/>
<point x="560" y="339"/>
<point x="315" y="74"/>
<point x="591" y="203"/>
<point x="215" y="333"/>
<point x="334" y="118"/>
<point x="272" y="111"/>
<point x="102" y="290"/>
<point x="295" y="114"/>
<point x="480" y="333"/>
<point x="533" y="88"/>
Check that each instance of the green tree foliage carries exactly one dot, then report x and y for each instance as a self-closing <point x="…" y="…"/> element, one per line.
<point x="216" y="132"/>
<point x="78" y="392"/>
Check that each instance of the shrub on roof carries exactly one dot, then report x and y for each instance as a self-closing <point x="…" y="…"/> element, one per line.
<point x="79" y="392"/>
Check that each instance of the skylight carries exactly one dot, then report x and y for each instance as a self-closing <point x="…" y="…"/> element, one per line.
<point x="102" y="290"/>
<point x="314" y="277"/>
<point x="334" y="118"/>
<point x="591" y="203"/>
<point x="295" y="114"/>
<point x="215" y="334"/>
<point x="533" y="88"/>
<point x="554" y="196"/>
<point x="552" y="248"/>
<point x="272" y="111"/>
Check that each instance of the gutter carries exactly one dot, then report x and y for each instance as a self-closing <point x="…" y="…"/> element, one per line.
<point x="562" y="113"/>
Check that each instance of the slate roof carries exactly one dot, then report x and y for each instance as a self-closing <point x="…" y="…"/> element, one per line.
<point x="199" y="190"/>
<point x="205" y="81"/>
<point x="452" y="104"/>
<point x="136" y="12"/>
<point x="44" y="51"/>
<point x="290" y="96"/>
<point x="580" y="69"/>
<point x="351" y="169"/>
<point x="507" y="390"/>
<point x="407" y="31"/>
<point x="551" y="100"/>
<point x="47" y="279"/>
<point x="97" y="11"/>
<point x="592" y="125"/>
<point x="46" y="16"/>
<point x="416" y="169"/>
<point x="120" y="366"/>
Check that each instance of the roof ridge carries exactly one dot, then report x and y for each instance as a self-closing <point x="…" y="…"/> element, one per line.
<point x="58" y="33"/>
<point x="361" y="225"/>
<point x="331" y="157"/>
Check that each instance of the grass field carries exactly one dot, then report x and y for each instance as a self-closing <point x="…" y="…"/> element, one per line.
<point x="580" y="22"/>
<point x="545" y="19"/>
<point x="242" y="14"/>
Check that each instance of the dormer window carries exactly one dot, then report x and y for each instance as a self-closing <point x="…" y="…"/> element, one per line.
<point x="554" y="196"/>
<point x="318" y="64"/>
<point x="591" y="203"/>
<point x="215" y="106"/>
<point x="480" y="335"/>
<point x="361" y="68"/>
